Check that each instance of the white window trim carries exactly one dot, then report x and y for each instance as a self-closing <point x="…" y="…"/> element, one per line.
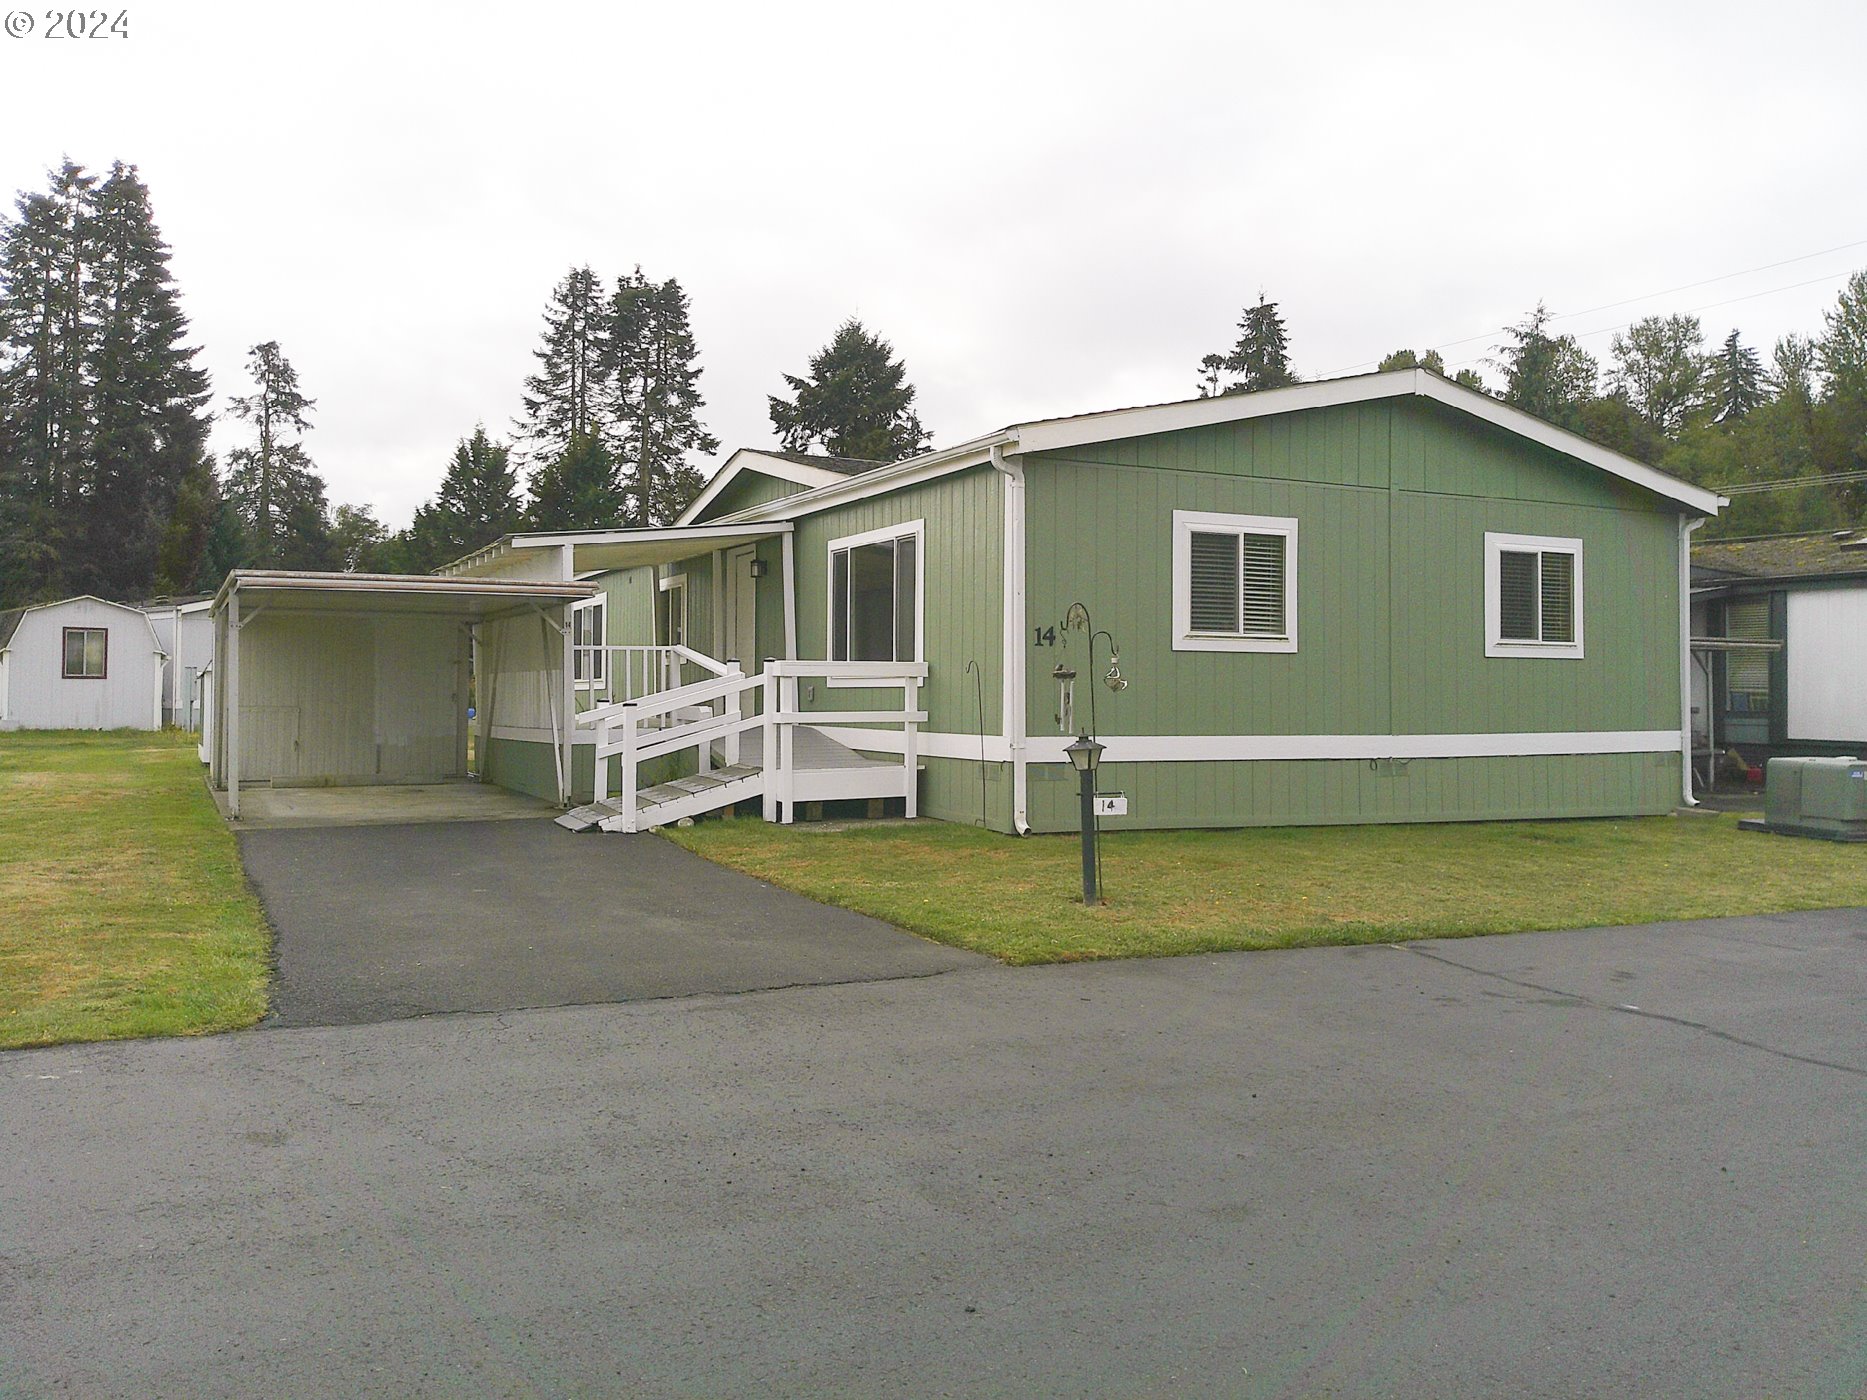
<point x="599" y="660"/>
<point x="1496" y="544"/>
<point x="916" y="528"/>
<point x="668" y="585"/>
<point x="1185" y="522"/>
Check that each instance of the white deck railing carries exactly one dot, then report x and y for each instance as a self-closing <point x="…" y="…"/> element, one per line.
<point x="669" y="719"/>
<point x="607" y="674"/>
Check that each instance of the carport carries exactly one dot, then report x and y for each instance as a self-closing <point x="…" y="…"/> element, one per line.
<point x="340" y="680"/>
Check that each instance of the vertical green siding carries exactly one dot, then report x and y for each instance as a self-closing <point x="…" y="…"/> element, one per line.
<point x="630" y="614"/>
<point x="1393" y="501"/>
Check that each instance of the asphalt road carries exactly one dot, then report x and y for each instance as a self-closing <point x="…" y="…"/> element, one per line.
<point x="379" y="922"/>
<point x="1613" y="1163"/>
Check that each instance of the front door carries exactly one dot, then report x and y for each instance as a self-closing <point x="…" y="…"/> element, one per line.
<point x="741" y="610"/>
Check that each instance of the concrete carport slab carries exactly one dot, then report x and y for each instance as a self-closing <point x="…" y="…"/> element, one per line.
<point x="376" y="923"/>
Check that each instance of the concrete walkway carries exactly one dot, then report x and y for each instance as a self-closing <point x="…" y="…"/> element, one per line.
<point x="1615" y="1163"/>
<point x="379" y="922"/>
<point x="266" y="809"/>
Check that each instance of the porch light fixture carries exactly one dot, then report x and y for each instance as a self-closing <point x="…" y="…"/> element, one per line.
<point x="1085" y="757"/>
<point x="758" y="568"/>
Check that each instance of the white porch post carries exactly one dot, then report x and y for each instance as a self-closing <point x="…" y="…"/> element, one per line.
<point x="769" y="748"/>
<point x="229" y="689"/>
<point x="910" y="695"/>
<point x="790" y="597"/>
<point x="567" y="699"/>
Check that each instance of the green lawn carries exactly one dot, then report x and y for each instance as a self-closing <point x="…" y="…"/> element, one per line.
<point x="1287" y="887"/>
<point x="123" y="907"/>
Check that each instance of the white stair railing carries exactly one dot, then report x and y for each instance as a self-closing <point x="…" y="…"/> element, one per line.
<point x="686" y="717"/>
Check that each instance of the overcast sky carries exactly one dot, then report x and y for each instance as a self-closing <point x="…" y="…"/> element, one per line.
<point x="1046" y="208"/>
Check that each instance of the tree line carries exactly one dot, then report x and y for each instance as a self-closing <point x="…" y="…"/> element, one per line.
<point x="107" y="486"/>
<point x="1717" y="416"/>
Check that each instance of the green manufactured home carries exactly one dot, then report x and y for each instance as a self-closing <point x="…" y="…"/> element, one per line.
<point x="1382" y="598"/>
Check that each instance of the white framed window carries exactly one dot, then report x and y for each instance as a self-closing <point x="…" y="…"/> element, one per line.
<point x="673" y="618"/>
<point x="1533" y="596"/>
<point x="588" y="627"/>
<point x="1234" y="582"/>
<point x="876" y="592"/>
<point x="87" y="654"/>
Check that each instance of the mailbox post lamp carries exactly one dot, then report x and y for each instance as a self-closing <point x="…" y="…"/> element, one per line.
<point x="1086" y="756"/>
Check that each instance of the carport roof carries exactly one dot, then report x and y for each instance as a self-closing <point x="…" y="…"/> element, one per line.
<point x="467" y="599"/>
<point x="596" y="551"/>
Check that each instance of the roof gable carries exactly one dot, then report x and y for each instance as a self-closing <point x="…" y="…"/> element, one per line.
<point x="804" y="470"/>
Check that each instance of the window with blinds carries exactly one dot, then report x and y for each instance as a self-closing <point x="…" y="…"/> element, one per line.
<point x="1233" y="582"/>
<point x="1747" y="673"/>
<point x="1534" y="596"/>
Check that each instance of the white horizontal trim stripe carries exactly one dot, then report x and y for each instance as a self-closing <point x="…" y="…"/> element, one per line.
<point x="1251" y="748"/>
<point x="532" y="734"/>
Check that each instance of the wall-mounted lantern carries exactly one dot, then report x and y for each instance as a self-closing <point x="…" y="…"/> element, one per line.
<point x="759" y="568"/>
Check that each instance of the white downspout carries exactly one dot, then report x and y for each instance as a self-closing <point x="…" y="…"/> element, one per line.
<point x="1686" y="527"/>
<point x="1013" y="702"/>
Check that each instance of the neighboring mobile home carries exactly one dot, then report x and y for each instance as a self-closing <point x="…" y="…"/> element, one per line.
<point x="1780" y="629"/>
<point x="82" y="663"/>
<point x="185" y="632"/>
<point x="1383" y="598"/>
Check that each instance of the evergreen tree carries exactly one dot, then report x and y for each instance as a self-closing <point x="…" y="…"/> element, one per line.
<point x="856" y="401"/>
<point x="272" y="481"/>
<point x="44" y="423"/>
<point x="478" y="501"/>
<point x="1549" y="376"/>
<point x="148" y="398"/>
<point x="1406" y="359"/>
<point x="563" y="400"/>
<point x="1660" y="367"/>
<point x="578" y="489"/>
<point x="1738" y="385"/>
<point x="1842" y="350"/>
<point x="190" y="536"/>
<point x="1260" y="359"/>
<point x="653" y="396"/>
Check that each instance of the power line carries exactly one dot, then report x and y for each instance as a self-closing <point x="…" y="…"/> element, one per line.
<point x="1649" y="296"/>
<point x="1704" y="306"/>
<point x="1790" y="483"/>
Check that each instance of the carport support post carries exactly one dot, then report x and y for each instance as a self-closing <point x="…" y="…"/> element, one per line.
<point x="569" y="701"/>
<point x="229" y="688"/>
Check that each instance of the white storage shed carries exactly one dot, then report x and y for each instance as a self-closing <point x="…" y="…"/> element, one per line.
<point x="82" y="663"/>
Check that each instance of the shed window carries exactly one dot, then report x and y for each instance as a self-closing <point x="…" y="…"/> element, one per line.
<point x="86" y="653"/>
<point x="1747" y="673"/>
<point x="1234" y="582"/>
<point x="875" y="592"/>
<point x="588" y="622"/>
<point x="1533" y="596"/>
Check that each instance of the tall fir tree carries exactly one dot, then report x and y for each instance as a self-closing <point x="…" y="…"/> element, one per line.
<point x="1548" y="375"/>
<point x="1738" y="383"/>
<point x="1259" y="360"/>
<point x="272" y="481"/>
<point x="149" y="400"/>
<point x="477" y="502"/>
<point x="563" y="400"/>
<point x="652" y="396"/>
<point x="44" y="419"/>
<point x="855" y="402"/>
<point x="578" y="489"/>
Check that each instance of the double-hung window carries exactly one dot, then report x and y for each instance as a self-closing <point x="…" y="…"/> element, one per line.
<point x="1533" y="596"/>
<point x="1234" y="582"/>
<point x="875" y="595"/>
<point x="588" y="621"/>
<point x="87" y="653"/>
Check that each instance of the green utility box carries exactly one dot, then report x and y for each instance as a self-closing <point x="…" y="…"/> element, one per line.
<point x="1825" y="797"/>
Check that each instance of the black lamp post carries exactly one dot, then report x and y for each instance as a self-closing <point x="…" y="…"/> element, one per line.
<point x="1086" y="756"/>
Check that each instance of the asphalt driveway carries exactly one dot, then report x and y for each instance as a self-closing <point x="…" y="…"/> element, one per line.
<point x="375" y="923"/>
<point x="1626" y="1162"/>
